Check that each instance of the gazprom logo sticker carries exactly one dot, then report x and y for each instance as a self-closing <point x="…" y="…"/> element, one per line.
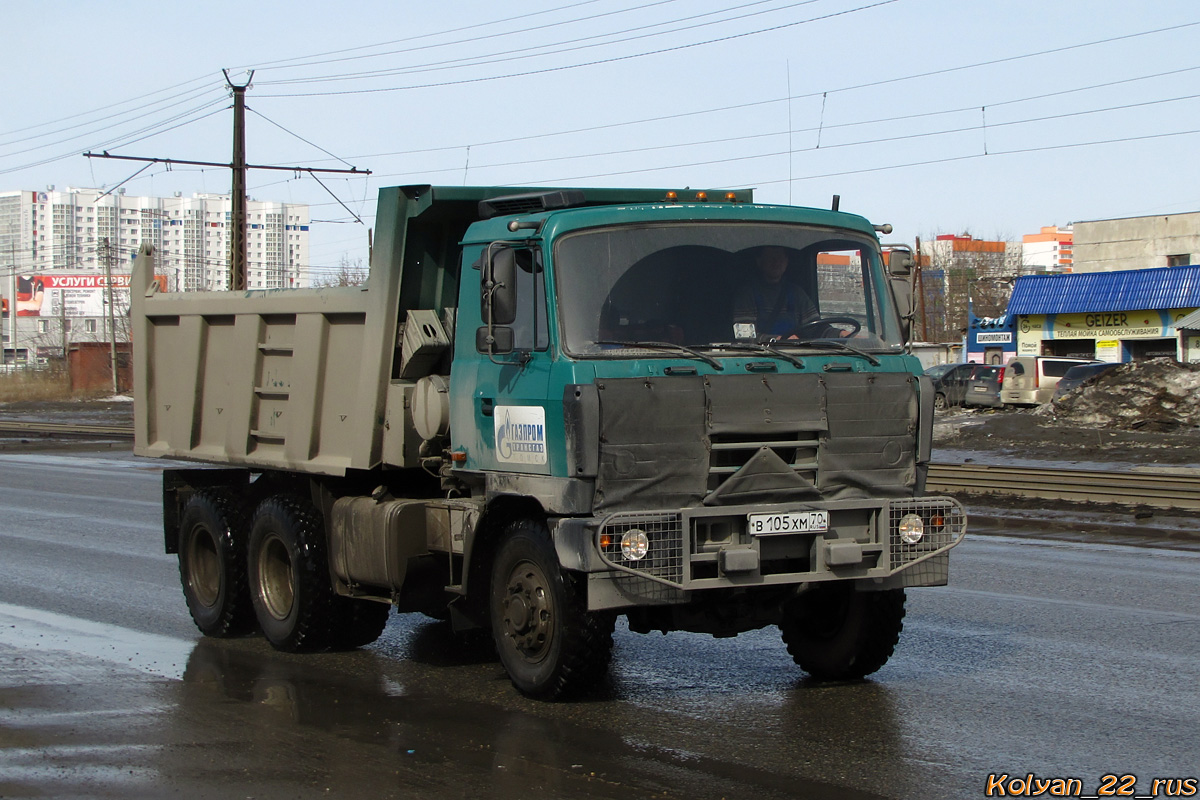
<point x="520" y="434"/>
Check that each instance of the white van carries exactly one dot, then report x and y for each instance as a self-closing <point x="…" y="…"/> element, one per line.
<point x="1030" y="380"/>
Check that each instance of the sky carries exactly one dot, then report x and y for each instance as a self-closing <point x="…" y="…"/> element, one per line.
<point x="937" y="116"/>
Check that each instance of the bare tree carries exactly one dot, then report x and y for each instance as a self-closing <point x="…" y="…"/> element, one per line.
<point x="349" y="273"/>
<point x="966" y="275"/>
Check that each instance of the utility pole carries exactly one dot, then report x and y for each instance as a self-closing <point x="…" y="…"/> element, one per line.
<point x="12" y="304"/>
<point x="919" y="286"/>
<point x="62" y="325"/>
<point x="112" y="322"/>
<point x="237" y="255"/>
<point x="238" y="238"/>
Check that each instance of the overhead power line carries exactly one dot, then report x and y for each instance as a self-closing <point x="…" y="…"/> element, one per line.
<point x="284" y="63"/>
<point x="853" y="87"/>
<point x="994" y="153"/>
<point x="752" y="104"/>
<point x="108" y="107"/>
<point x="475" y="40"/>
<point x="146" y="112"/>
<point x="614" y="59"/>
<point x="567" y="46"/>
<point x="777" y="134"/>
<point x="151" y="130"/>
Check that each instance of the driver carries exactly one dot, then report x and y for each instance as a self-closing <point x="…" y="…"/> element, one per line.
<point x="771" y="305"/>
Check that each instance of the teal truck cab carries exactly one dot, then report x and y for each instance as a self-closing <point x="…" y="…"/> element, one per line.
<point x="548" y="408"/>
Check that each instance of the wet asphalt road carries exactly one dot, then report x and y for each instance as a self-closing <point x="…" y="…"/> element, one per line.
<point x="1063" y="659"/>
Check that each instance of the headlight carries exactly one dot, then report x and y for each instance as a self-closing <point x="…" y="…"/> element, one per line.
<point x="911" y="529"/>
<point x="635" y="544"/>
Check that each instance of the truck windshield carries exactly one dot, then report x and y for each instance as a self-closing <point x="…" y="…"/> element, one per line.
<point x="704" y="285"/>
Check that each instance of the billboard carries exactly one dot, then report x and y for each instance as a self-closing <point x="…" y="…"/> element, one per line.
<point x="82" y="295"/>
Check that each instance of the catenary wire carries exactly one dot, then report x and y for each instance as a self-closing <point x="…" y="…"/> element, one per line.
<point x="614" y="59"/>
<point x="741" y="106"/>
<point x="284" y="63"/>
<point x="880" y="140"/>
<point x="475" y="40"/>
<point x="191" y="97"/>
<point x="491" y="59"/>
<point x="120" y="141"/>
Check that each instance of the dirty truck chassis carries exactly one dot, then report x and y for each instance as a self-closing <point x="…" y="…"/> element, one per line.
<point x="702" y="569"/>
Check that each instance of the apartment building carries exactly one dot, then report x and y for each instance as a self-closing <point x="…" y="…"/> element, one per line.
<point x="1051" y="250"/>
<point x="66" y="230"/>
<point x="56" y="247"/>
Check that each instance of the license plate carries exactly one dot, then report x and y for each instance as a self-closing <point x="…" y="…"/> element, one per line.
<point x="789" y="522"/>
<point x="979" y="388"/>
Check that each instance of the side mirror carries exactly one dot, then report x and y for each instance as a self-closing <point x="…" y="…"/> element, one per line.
<point x="497" y="301"/>
<point x="902" y="294"/>
<point x="498" y="287"/>
<point x="900" y="261"/>
<point x="497" y="341"/>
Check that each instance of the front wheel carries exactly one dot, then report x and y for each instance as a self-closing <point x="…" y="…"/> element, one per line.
<point x="939" y="402"/>
<point x="549" y="643"/>
<point x="836" y="632"/>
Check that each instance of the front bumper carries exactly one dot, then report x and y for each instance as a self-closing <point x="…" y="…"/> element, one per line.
<point x="711" y="548"/>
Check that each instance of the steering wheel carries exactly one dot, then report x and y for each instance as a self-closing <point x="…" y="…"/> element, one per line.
<point x="808" y="330"/>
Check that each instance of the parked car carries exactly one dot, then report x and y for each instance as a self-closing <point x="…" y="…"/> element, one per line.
<point x="1080" y="373"/>
<point x="1031" y="380"/>
<point x="950" y="381"/>
<point x="984" y="389"/>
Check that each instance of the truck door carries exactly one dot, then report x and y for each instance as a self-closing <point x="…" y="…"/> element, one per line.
<point x="510" y="405"/>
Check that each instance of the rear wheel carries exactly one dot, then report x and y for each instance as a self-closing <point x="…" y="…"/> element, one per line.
<point x="289" y="575"/>
<point x="836" y="632"/>
<point x="550" y="644"/>
<point x="212" y="564"/>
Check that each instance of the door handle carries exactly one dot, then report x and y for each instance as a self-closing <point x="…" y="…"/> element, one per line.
<point x="487" y="405"/>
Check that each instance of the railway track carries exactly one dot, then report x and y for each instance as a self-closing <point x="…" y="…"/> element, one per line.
<point x="48" y="430"/>
<point x="1157" y="489"/>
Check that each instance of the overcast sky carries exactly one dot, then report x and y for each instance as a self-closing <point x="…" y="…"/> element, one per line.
<point x="938" y="116"/>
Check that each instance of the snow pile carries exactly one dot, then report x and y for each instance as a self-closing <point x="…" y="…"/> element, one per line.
<point x="1160" y="395"/>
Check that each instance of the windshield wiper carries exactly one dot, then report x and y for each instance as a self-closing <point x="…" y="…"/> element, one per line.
<point x="666" y="346"/>
<point x="754" y="347"/>
<point x="828" y="344"/>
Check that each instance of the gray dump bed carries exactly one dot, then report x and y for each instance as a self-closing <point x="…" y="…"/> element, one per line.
<point x="297" y="379"/>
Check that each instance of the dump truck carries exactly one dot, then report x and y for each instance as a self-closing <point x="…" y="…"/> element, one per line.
<point x="549" y="408"/>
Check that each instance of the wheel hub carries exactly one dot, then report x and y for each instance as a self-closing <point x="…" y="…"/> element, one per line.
<point x="275" y="582"/>
<point x="527" y="611"/>
<point x="204" y="570"/>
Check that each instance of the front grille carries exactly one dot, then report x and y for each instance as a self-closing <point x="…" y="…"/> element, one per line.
<point x="730" y="452"/>
<point x="663" y="561"/>
<point x="945" y="526"/>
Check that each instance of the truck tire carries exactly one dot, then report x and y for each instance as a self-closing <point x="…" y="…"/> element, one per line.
<point x="289" y="575"/>
<point x="836" y="632"/>
<point x="550" y="644"/>
<point x="357" y="623"/>
<point x="212" y="564"/>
